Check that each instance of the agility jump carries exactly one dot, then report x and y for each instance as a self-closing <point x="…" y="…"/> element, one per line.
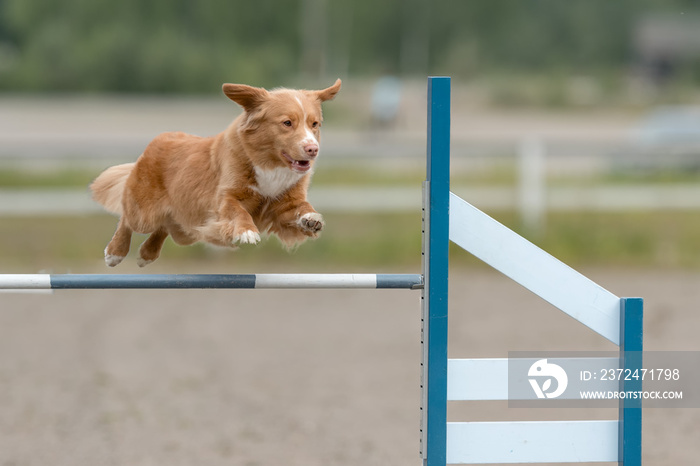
<point x="446" y="218"/>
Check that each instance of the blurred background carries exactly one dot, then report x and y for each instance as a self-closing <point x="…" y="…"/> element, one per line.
<point x="576" y="123"/>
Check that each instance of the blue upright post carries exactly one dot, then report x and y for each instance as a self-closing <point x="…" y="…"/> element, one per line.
<point x="631" y="346"/>
<point x="435" y="271"/>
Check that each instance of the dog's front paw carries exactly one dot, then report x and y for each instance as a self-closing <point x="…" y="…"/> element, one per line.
<point x="247" y="237"/>
<point x="311" y="222"/>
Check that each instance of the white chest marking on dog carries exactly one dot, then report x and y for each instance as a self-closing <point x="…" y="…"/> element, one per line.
<point x="273" y="183"/>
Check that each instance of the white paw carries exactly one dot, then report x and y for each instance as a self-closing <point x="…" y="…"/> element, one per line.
<point x="111" y="260"/>
<point x="247" y="237"/>
<point x="312" y="221"/>
<point x="141" y="262"/>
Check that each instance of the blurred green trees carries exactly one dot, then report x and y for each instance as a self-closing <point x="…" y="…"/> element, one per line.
<point x="187" y="46"/>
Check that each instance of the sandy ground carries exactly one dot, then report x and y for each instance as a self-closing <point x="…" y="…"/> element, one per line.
<point x="285" y="377"/>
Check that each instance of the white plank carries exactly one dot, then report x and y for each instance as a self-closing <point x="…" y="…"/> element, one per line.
<point x="489" y="379"/>
<point x="531" y="442"/>
<point x="477" y="379"/>
<point x="536" y="270"/>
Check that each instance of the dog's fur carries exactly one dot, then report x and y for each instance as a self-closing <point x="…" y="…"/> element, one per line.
<point x="225" y="189"/>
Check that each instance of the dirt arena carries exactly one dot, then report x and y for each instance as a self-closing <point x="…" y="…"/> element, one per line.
<point x="143" y="378"/>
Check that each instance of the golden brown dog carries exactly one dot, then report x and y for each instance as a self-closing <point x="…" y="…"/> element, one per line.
<point x="225" y="189"/>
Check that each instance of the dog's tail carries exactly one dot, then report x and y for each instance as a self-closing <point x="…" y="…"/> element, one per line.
<point x="107" y="189"/>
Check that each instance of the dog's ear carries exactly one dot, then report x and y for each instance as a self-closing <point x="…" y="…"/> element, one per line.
<point x="248" y="97"/>
<point x="328" y="93"/>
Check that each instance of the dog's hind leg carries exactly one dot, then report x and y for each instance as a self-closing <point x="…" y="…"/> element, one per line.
<point x="150" y="249"/>
<point x="118" y="247"/>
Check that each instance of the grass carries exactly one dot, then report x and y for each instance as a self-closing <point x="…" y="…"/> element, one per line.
<point x="361" y="242"/>
<point x="60" y="244"/>
<point x="11" y="178"/>
<point x="500" y="174"/>
<point x="358" y="243"/>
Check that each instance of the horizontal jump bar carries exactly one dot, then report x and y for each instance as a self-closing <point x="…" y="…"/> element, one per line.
<point x="240" y="281"/>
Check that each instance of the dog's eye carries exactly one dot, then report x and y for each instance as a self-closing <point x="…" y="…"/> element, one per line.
<point x="287" y="123"/>
<point x="314" y="124"/>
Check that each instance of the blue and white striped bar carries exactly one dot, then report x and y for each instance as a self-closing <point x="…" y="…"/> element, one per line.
<point x="240" y="281"/>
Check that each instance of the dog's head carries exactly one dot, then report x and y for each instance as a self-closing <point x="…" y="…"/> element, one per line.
<point x="281" y="127"/>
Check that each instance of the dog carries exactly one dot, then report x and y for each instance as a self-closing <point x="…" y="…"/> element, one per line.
<point x="228" y="189"/>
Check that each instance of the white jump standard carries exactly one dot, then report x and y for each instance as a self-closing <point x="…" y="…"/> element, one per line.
<point x="447" y="218"/>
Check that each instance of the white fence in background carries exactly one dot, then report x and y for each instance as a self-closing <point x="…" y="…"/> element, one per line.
<point x="61" y="202"/>
<point x="531" y="195"/>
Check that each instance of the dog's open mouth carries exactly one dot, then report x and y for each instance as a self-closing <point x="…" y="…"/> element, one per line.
<point x="297" y="165"/>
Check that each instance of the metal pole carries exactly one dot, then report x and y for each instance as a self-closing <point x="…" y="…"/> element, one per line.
<point x="242" y="281"/>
